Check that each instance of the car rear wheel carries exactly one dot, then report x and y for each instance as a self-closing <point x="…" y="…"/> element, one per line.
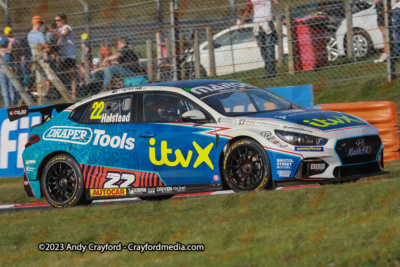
<point x="246" y="166"/>
<point x="62" y="182"/>
<point x="157" y="198"/>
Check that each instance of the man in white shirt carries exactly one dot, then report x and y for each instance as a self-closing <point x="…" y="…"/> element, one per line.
<point x="264" y="30"/>
<point x="396" y="27"/>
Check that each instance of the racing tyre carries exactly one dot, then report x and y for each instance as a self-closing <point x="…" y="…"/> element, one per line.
<point x="62" y="182"/>
<point x="157" y="198"/>
<point x="246" y="166"/>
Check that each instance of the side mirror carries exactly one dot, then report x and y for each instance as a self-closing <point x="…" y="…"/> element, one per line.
<point x="193" y="115"/>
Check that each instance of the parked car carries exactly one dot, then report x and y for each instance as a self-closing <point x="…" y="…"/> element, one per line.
<point x="367" y="36"/>
<point x="163" y="139"/>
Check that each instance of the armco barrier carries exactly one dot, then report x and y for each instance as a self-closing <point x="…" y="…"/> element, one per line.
<point x="382" y="114"/>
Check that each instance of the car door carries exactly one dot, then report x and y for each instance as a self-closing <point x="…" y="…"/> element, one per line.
<point x="181" y="153"/>
<point x="110" y="141"/>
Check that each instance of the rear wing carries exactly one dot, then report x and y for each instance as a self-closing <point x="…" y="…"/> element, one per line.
<point x="23" y="111"/>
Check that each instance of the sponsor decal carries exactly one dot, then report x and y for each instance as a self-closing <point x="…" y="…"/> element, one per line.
<point x="29" y="169"/>
<point x="297" y="128"/>
<point x="275" y="142"/>
<point x="26" y="182"/>
<point x="266" y="134"/>
<point x="281" y="117"/>
<point x="358" y="151"/>
<point x="30" y="161"/>
<point x="241" y="121"/>
<point x="137" y="191"/>
<point x="284" y="173"/>
<point x="151" y="190"/>
<point x="266" y="124"/>
<point x="116" y="192"/>
<point x="309" y="148"/>
<point x="115" y="118"/>
<point x="126" y="89"/>
<point x="283" y="145"/>
<point x="319" y="141"/>
<point x="335" y="120"/>
<point x="166" y="189"/>
<point x="76" y="135"/>
<point x="216" y="178"/>
<point x="180" y="159"/>
<point x="220" y="87"/>
<point x="104" y="140"/>
<point x="226" y="120"/>
<point x="284" y="163"/>
<point x="18" y="112"/>
<point x="317" y="166"/>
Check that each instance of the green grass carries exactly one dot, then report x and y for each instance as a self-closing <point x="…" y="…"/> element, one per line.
<point x="349" y="224"/>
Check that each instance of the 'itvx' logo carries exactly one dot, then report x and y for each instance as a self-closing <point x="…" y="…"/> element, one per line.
<point x="202" y="157"/>
<point x="76" y="135"/>
<point x="329" y="122"/>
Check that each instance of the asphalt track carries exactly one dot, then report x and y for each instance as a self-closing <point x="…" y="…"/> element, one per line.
<point x="134" y="200"/>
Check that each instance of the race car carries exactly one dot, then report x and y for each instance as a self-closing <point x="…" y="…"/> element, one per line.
<point x="169" y="138"/>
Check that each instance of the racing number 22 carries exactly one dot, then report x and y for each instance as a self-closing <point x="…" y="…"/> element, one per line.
<point x="97" y="107"/>
<point x="128" y="180"/>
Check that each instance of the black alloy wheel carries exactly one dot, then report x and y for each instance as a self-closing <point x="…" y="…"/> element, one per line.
<point x="246" y="166"/>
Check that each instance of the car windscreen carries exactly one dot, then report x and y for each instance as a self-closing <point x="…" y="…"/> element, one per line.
<point x="239" y="99"/>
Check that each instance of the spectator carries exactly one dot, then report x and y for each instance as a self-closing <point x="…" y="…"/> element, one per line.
<point x="97" y="76"/>
<point x="7" y="89"/>
<point x="51" y="39"/>
<point x="69" y="54"/>
<point x="16" y="51"/>
<point x="264" y="30"/>
<point x="396" y="27"/>
<point x="381" y="25"/>
<point x="127" y="63"/>
<point x="104" y="50"/>
<point x="36" y="37"/>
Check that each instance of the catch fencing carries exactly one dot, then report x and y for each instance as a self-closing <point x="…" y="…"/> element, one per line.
<point x="315" y="42"/>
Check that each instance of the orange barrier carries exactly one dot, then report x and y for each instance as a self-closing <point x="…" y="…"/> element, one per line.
<point x="383" y="115"/>
<point x="379" y="113"/>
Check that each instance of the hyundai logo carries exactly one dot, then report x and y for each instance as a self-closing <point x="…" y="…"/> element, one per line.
<point x="360" y="142"/>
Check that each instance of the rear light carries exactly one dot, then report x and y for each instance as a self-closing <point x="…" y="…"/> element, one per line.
<point x="33" y="139"/>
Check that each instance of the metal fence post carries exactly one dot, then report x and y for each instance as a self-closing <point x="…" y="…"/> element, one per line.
<point x="350" y="34"/>
<point x="149" y="48"/>
<point x="196" y="54"/>
<point x="233" y="9"/>
<point x="391" y="66"/>
<point x="182" y="45"/>
<point x="174" y="38"/>
<point x="211" y="54"/>
<point x="280" y="40"/>
<point x="86" y="10"/>
<point x="5" y="6"/>
<point x="290" y="41"/>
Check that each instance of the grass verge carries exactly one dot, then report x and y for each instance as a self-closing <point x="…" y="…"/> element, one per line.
<point x="348" y="224"/>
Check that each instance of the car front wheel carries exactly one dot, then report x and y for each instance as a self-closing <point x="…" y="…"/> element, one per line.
<point x="246" y="166"/>
<point x="62" y="182"/>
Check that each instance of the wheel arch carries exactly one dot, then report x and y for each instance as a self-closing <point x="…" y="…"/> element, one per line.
<point x="43" y="164"/>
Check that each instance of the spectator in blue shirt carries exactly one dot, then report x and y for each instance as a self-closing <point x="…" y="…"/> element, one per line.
<point x="37" y="37"/>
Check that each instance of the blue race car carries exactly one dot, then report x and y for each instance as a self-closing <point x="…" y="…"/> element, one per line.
<point x="170" y="138"/>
